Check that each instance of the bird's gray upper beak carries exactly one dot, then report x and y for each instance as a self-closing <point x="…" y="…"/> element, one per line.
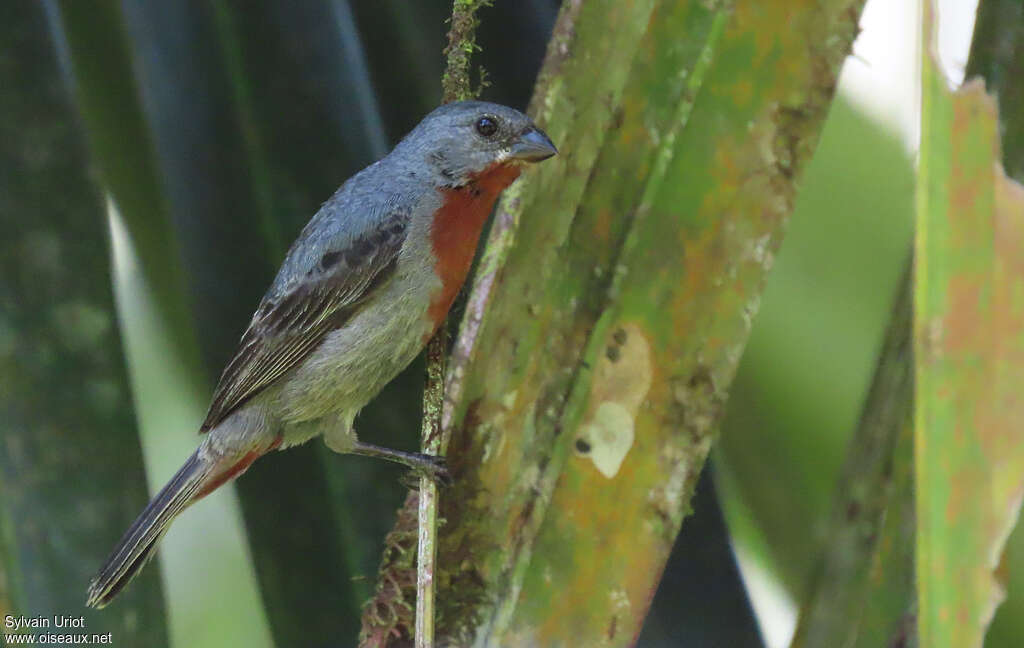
<point x="532" y="146"/>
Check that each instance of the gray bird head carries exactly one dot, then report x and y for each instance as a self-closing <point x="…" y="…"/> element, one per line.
<point x="465" y="138"/>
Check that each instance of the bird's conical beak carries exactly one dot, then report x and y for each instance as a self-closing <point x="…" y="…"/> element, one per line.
<point x="532" y="146"/>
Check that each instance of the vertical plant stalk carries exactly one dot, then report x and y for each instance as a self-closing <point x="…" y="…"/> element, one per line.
<point x="969" y="359"/>
<point x="832" y="611"/>
<point x="878" y="610"/>
<point x="426" y="548"/>
<point x="455" y="86"/>
<point x="572" y="312"/>
<point x="997" y="55"/>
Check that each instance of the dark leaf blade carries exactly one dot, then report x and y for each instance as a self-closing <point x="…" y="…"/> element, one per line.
<point x="65" y="401"/>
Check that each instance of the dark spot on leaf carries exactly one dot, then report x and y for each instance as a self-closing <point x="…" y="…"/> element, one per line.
<point x="852" y="510"/>
<point x="904" y="634"/>
<point x="617" y="119"/>
<point x="613" y="353"/>
<point x="701" y="380"/>
<point x="619" y="336"/>
<point x="582" y="446"/>
<point x="697" y="403"/>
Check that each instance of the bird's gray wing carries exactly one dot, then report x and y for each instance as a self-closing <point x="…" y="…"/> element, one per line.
<point x="291" y="323"/>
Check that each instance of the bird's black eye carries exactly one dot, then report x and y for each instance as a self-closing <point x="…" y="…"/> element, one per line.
<point x="487" y="126"/>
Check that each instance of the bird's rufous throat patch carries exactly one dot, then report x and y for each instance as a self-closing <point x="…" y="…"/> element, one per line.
<point x="456" y="230"/>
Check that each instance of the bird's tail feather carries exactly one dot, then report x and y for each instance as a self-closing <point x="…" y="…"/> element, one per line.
<point x="139" y="542"/>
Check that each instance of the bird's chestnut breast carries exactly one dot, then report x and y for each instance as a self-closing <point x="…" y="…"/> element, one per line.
<point x="456" y="230"/>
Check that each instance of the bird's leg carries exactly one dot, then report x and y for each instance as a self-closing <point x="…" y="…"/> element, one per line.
<point x="431" y="466"/>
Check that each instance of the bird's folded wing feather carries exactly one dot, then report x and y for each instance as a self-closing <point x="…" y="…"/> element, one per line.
<point x="287" y="327"/>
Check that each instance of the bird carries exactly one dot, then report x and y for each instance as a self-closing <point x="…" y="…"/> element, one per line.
<point x="365" y="285"/>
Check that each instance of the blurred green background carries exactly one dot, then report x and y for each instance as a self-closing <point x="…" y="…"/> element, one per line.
<point x="155" y="161"/>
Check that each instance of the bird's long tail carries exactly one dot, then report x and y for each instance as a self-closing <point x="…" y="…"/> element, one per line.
<point x="200" y="475"/>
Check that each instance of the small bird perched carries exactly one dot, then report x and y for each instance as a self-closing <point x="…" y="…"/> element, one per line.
<point x="364" y="287"/>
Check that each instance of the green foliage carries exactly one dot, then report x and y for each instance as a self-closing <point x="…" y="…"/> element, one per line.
<point x="620" y="282"/>
<point x="804" y="373"/>
<point x="582" y="313"/>
<point x="969" y="361"/>
<point x="71" y="474"/>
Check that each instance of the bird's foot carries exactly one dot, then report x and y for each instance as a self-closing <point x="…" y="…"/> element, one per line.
<point x="435" y="467"/>
<point x="425" y="465"/>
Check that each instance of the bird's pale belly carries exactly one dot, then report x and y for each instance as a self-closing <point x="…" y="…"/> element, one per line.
<point x="353" y="363"/>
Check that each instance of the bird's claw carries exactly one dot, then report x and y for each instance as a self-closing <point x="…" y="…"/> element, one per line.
<point x="433" y="467"/>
